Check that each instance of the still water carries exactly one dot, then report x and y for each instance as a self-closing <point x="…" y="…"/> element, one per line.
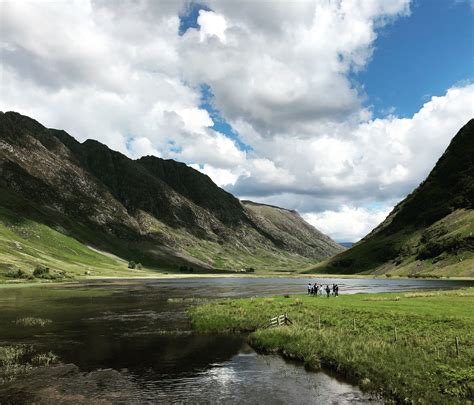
<point x="131" y="342"/>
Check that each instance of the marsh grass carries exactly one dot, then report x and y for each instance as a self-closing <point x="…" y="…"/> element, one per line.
<point x="192" y="300"/>
<point x="401" y="348"/>
<point x="32" y="321"/>
<point x="16" y="360"/>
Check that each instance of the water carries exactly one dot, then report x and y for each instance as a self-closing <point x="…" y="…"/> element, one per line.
<point x="131" y="341"/>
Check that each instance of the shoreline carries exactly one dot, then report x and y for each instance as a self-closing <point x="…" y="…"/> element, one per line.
<point x="79" y="280"/>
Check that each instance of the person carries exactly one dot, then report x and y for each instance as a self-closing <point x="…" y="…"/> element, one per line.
<point x="336" y="291"/>
<point x="309" y="288"/>
<point x="316" y="288"/>
<point x="328" y="290"/>
<point x="321" y="290"/>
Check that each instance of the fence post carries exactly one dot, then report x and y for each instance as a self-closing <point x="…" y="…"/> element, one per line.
<point x="354" y="324"/>
<point x="395" y="330"/>
<point x="319" y="322"/>
<point x="457" y="346"/>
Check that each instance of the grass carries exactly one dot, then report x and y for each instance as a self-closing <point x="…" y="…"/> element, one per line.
<point x="420" y="365"/>
<point x="26" y="244"/>
<point x="32" y="321"/>
<point x="16" y="360"/>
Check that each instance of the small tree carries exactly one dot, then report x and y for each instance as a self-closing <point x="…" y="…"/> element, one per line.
<point x="132" y="264"/>
<point x="139" y="266"/>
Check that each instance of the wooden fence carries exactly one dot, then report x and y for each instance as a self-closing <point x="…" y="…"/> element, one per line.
<point x="278" y="321"/>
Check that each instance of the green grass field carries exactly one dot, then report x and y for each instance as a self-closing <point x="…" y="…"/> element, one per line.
<point x="402" y="346"/>
<point x="24" y="244"/>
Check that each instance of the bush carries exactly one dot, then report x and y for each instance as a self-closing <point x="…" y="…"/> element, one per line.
<point x="139" y="266"/>
<point x="250" y="270"/>
<point x="18" y="274"/>
<point x="132" y="264"/>
<point x="41" y="271"/>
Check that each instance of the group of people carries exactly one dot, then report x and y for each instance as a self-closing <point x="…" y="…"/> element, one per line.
<point x="319" y="289"/>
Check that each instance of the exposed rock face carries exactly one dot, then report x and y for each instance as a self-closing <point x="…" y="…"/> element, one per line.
<point x="432" y="229"/>
<point x="289" y="231"/>
<point x="160" y="211"/>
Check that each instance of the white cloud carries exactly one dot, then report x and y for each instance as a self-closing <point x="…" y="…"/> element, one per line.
<point x="382" y="158"/>
<point x="139" y="147"/>
<point x="284" y="66"/>
<point x="348" y="224"/>
<point x="211" y="24"/>
<point x="222" y="177"/>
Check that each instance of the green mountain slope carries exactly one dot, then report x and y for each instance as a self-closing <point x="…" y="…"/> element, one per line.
<point x="429" y="232"/>
<point x="161" y="213"/>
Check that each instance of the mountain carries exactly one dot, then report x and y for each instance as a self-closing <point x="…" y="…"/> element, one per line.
<point x="346" y="244"/>
<point x="431" y="231"/>
<point x="68" y="204"/>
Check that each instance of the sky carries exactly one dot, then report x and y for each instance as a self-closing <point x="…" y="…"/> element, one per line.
<point x="335" y="108"/>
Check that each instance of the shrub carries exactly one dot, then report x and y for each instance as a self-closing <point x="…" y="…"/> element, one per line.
<point x="132" y="264"/>
<point x="41" y="271"/>
<point x="18" y="274"/>
<point x="250" y="270"/>
<point x="139" y="266"/>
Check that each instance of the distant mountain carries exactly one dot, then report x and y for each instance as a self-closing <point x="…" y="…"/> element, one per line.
<point x="346" y="244"/>
<point x="161" y="213"/>
<point x="429" y="232"/>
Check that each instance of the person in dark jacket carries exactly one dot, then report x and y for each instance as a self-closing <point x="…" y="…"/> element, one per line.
<point x="328" y="290"/>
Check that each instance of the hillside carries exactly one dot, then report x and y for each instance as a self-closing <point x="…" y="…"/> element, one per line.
<point x="431" y="231"/>
<point x="68" y="204"/>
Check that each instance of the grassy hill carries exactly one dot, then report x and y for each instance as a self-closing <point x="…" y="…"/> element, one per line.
<point x="431" y="232"/>
<point x="81" y="207"/>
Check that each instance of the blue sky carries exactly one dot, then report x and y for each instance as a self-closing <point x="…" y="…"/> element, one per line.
<point x="420" y="56"/>
<point x="220" y="124"/>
